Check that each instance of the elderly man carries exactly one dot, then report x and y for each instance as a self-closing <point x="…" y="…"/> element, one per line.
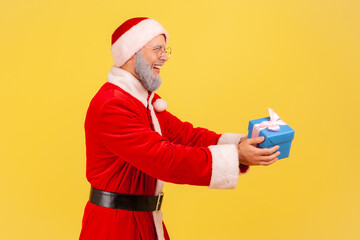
<point x="133" y="144"/>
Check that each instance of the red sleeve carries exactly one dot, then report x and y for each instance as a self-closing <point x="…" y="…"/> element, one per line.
<point x="184" y="133"/>
<point x="124" y="133"/>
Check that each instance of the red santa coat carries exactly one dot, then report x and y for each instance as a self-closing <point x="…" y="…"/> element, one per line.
<point x="132" y="148"/>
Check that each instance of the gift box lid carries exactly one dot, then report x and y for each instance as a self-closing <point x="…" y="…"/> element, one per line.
<point x="285" y="134"/>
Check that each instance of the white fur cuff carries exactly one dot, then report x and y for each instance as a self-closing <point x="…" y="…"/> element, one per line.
<point x="225" y="166"/>
<point x="230" y="138"/>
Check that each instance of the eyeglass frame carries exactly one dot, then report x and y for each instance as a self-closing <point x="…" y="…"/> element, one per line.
<point x="159" y="47"/>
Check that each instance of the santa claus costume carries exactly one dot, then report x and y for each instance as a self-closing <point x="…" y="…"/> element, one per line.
<point x="134" y="145"/>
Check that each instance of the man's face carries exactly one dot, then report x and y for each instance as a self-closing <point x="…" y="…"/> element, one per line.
<point x="148" y="62"/>
<point x="155" y="59"/>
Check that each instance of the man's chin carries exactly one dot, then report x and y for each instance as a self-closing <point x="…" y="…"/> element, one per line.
<point x="152" y="84"/>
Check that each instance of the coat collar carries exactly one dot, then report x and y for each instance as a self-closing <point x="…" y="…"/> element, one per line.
<point x="126" y="81"/>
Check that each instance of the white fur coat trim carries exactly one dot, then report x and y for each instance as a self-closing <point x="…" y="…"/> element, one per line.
<point x="133" y="86"/>
<point x="230" y="138"/>
<point x="225" y="166"/>
<point x="128" y="83"/>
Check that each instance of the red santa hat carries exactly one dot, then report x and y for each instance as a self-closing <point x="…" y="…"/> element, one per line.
<point x="133" y="35"/>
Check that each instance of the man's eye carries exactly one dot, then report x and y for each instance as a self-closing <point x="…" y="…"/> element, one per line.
<point x="157" y="48"/>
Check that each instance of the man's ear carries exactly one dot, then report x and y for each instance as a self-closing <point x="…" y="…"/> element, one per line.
<point x="132" y="59"/>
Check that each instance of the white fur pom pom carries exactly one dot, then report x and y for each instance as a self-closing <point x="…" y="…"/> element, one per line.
<point x="160" y="105"/>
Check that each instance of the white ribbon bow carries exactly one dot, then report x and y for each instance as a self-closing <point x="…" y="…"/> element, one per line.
<point x="272" y="125"/>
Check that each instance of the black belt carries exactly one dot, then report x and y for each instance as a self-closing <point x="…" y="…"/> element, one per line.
<point x="125" y="201"/>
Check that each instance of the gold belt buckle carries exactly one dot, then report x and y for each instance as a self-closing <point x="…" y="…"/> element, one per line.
<point x="159" y="201"/>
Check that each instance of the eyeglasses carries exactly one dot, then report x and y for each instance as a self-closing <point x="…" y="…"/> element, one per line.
<point x="161" y="50"/>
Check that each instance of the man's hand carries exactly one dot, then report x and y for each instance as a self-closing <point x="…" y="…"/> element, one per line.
<point x="249" y="154"/>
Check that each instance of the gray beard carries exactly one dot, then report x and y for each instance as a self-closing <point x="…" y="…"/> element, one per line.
<point x="144" y="70"/>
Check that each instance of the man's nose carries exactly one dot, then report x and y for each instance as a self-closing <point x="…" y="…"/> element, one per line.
<point x="164" y="57"/>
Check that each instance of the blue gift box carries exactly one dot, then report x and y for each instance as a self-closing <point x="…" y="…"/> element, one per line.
<point x="283" y="137"/>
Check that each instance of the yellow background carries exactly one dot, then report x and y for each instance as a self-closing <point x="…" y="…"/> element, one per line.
<point x="231" y="61"/>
